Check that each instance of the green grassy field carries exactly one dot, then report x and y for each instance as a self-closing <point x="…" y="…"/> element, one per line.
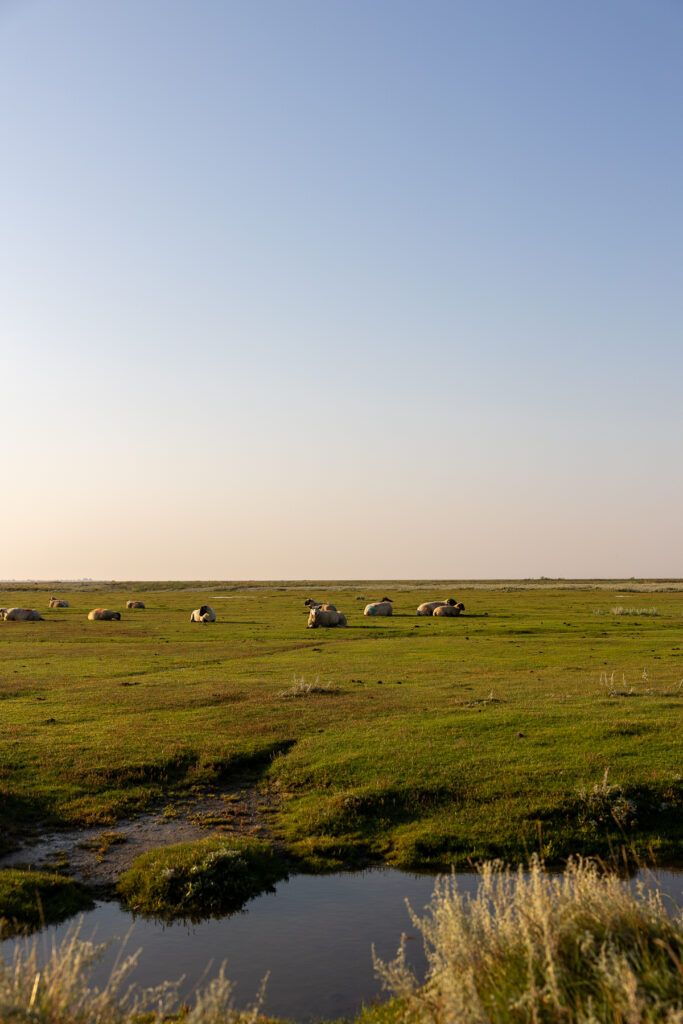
<point x="425" y="742"/>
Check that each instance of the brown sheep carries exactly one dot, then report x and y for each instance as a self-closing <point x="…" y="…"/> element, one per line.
<point x="310" y="603"/>
<point x="104" y="615"/>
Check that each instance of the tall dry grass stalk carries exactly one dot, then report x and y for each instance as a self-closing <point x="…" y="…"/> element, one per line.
<point x="55" y="989"/>
<point x="582" y="948"/>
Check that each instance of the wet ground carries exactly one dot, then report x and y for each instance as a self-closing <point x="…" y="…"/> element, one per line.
<point x="99" y="855"/>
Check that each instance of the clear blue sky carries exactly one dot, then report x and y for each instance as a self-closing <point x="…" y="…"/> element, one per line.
<point x="311" y="288"/>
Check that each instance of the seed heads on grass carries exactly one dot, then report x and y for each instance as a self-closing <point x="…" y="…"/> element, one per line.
<point x="528" y="947"/>
<point x="300" y="688"/>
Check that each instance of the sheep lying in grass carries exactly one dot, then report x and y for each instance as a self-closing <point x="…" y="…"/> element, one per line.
<point x="22" y="615"/>
<point x="428" y="607"/>
<point x="383" y="607"/>
<point x="203" y="614"/>
<point x="134" y="604"/>
<point x="104" y="615"/>
<point x="56" y="602"/>
<point x="449" y="609"/>
<point x="325" y="617"/>
<point x="310" y="604"/>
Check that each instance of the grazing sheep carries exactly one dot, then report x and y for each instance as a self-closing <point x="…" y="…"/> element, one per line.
<point x="428" y="607"/>
<point x="383" y="607"/>
<point x="103" y="615"/>
<point x="310" y="604"/>
<point x="23" y="615"/>
<point x="55" y="602"/>
<point x="134" y="604"/>
<point x="203" y="614"/>
<point x="325" y="617"/>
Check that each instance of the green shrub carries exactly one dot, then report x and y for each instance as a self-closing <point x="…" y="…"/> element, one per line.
<point x="29" y="899"/>
<point x="200" y="879"/>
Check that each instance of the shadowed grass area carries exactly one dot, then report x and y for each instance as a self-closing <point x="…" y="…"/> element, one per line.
<point x="419" y="741"/>
<point x="200" y="879"/>
<point x="31" y="898"/>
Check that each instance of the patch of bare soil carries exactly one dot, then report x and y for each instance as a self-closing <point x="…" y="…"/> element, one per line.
<point x="97" y="857"/>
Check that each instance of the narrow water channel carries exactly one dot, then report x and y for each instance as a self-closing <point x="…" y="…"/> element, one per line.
<point x="314" y="935"/>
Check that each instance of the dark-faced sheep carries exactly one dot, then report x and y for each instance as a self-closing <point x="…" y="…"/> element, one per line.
<point x="383" y="607"/>
<point x="104" y="615"/>
<point x="56" y="602"/>
<point x="310" y="604"/>
<point x="23" y="615"/>
<point x="134" y="604"/>
<point x="449" y="609"/>
<point x="428" y="607"/>
<point x="203" y="614"/>
<point x="325" y="617"/>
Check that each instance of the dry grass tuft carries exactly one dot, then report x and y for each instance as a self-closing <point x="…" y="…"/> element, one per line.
<point x="583" y="948"/>
<point x="55" y="990"/>
<point x="300" y="688"/>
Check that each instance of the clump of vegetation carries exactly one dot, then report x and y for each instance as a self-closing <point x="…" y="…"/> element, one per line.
<point x="634" y="611"/>
<point x="57" y="990"/>
<point x="301" y="688"/>
<point x="100" y="844"/>
<point x="581" y="948"/>
<point x="605" y="804"/>
<point x="29" y="899"/>
<point x="200" y="879"/>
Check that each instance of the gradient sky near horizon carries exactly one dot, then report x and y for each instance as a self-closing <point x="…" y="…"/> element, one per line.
<point x="300" y="289"/>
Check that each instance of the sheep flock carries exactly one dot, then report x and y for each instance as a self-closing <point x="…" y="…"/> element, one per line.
<point x="320" y="613"/>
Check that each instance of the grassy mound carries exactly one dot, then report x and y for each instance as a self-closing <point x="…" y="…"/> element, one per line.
<point x="529" y="948"/>
<point x="29" y="899"/>
<point x="200" y="879"/>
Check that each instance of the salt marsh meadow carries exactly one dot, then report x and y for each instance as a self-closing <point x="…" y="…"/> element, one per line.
<point x="543" y="720"/>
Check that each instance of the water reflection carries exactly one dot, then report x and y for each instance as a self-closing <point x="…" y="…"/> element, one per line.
<point x="313" y="934"/>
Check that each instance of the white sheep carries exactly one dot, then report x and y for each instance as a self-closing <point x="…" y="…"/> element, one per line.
<point x="325" y="617"/>
<point x="428" y="607"/>
<point x="383" y="607"/>
<point x="55" y="602"/>
<point x="449" y="609"/>
<point x="23" y="615"/>
<point x="203" y="614"/>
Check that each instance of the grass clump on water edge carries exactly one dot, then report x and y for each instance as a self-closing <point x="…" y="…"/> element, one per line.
<point x="583" y="948"/>
<point x="200" y="879"/>
<point x="55" y="989"/>
<point x="29" y="899"/>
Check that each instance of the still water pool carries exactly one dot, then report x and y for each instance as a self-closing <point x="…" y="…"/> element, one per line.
<point x="313" y="935"/>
